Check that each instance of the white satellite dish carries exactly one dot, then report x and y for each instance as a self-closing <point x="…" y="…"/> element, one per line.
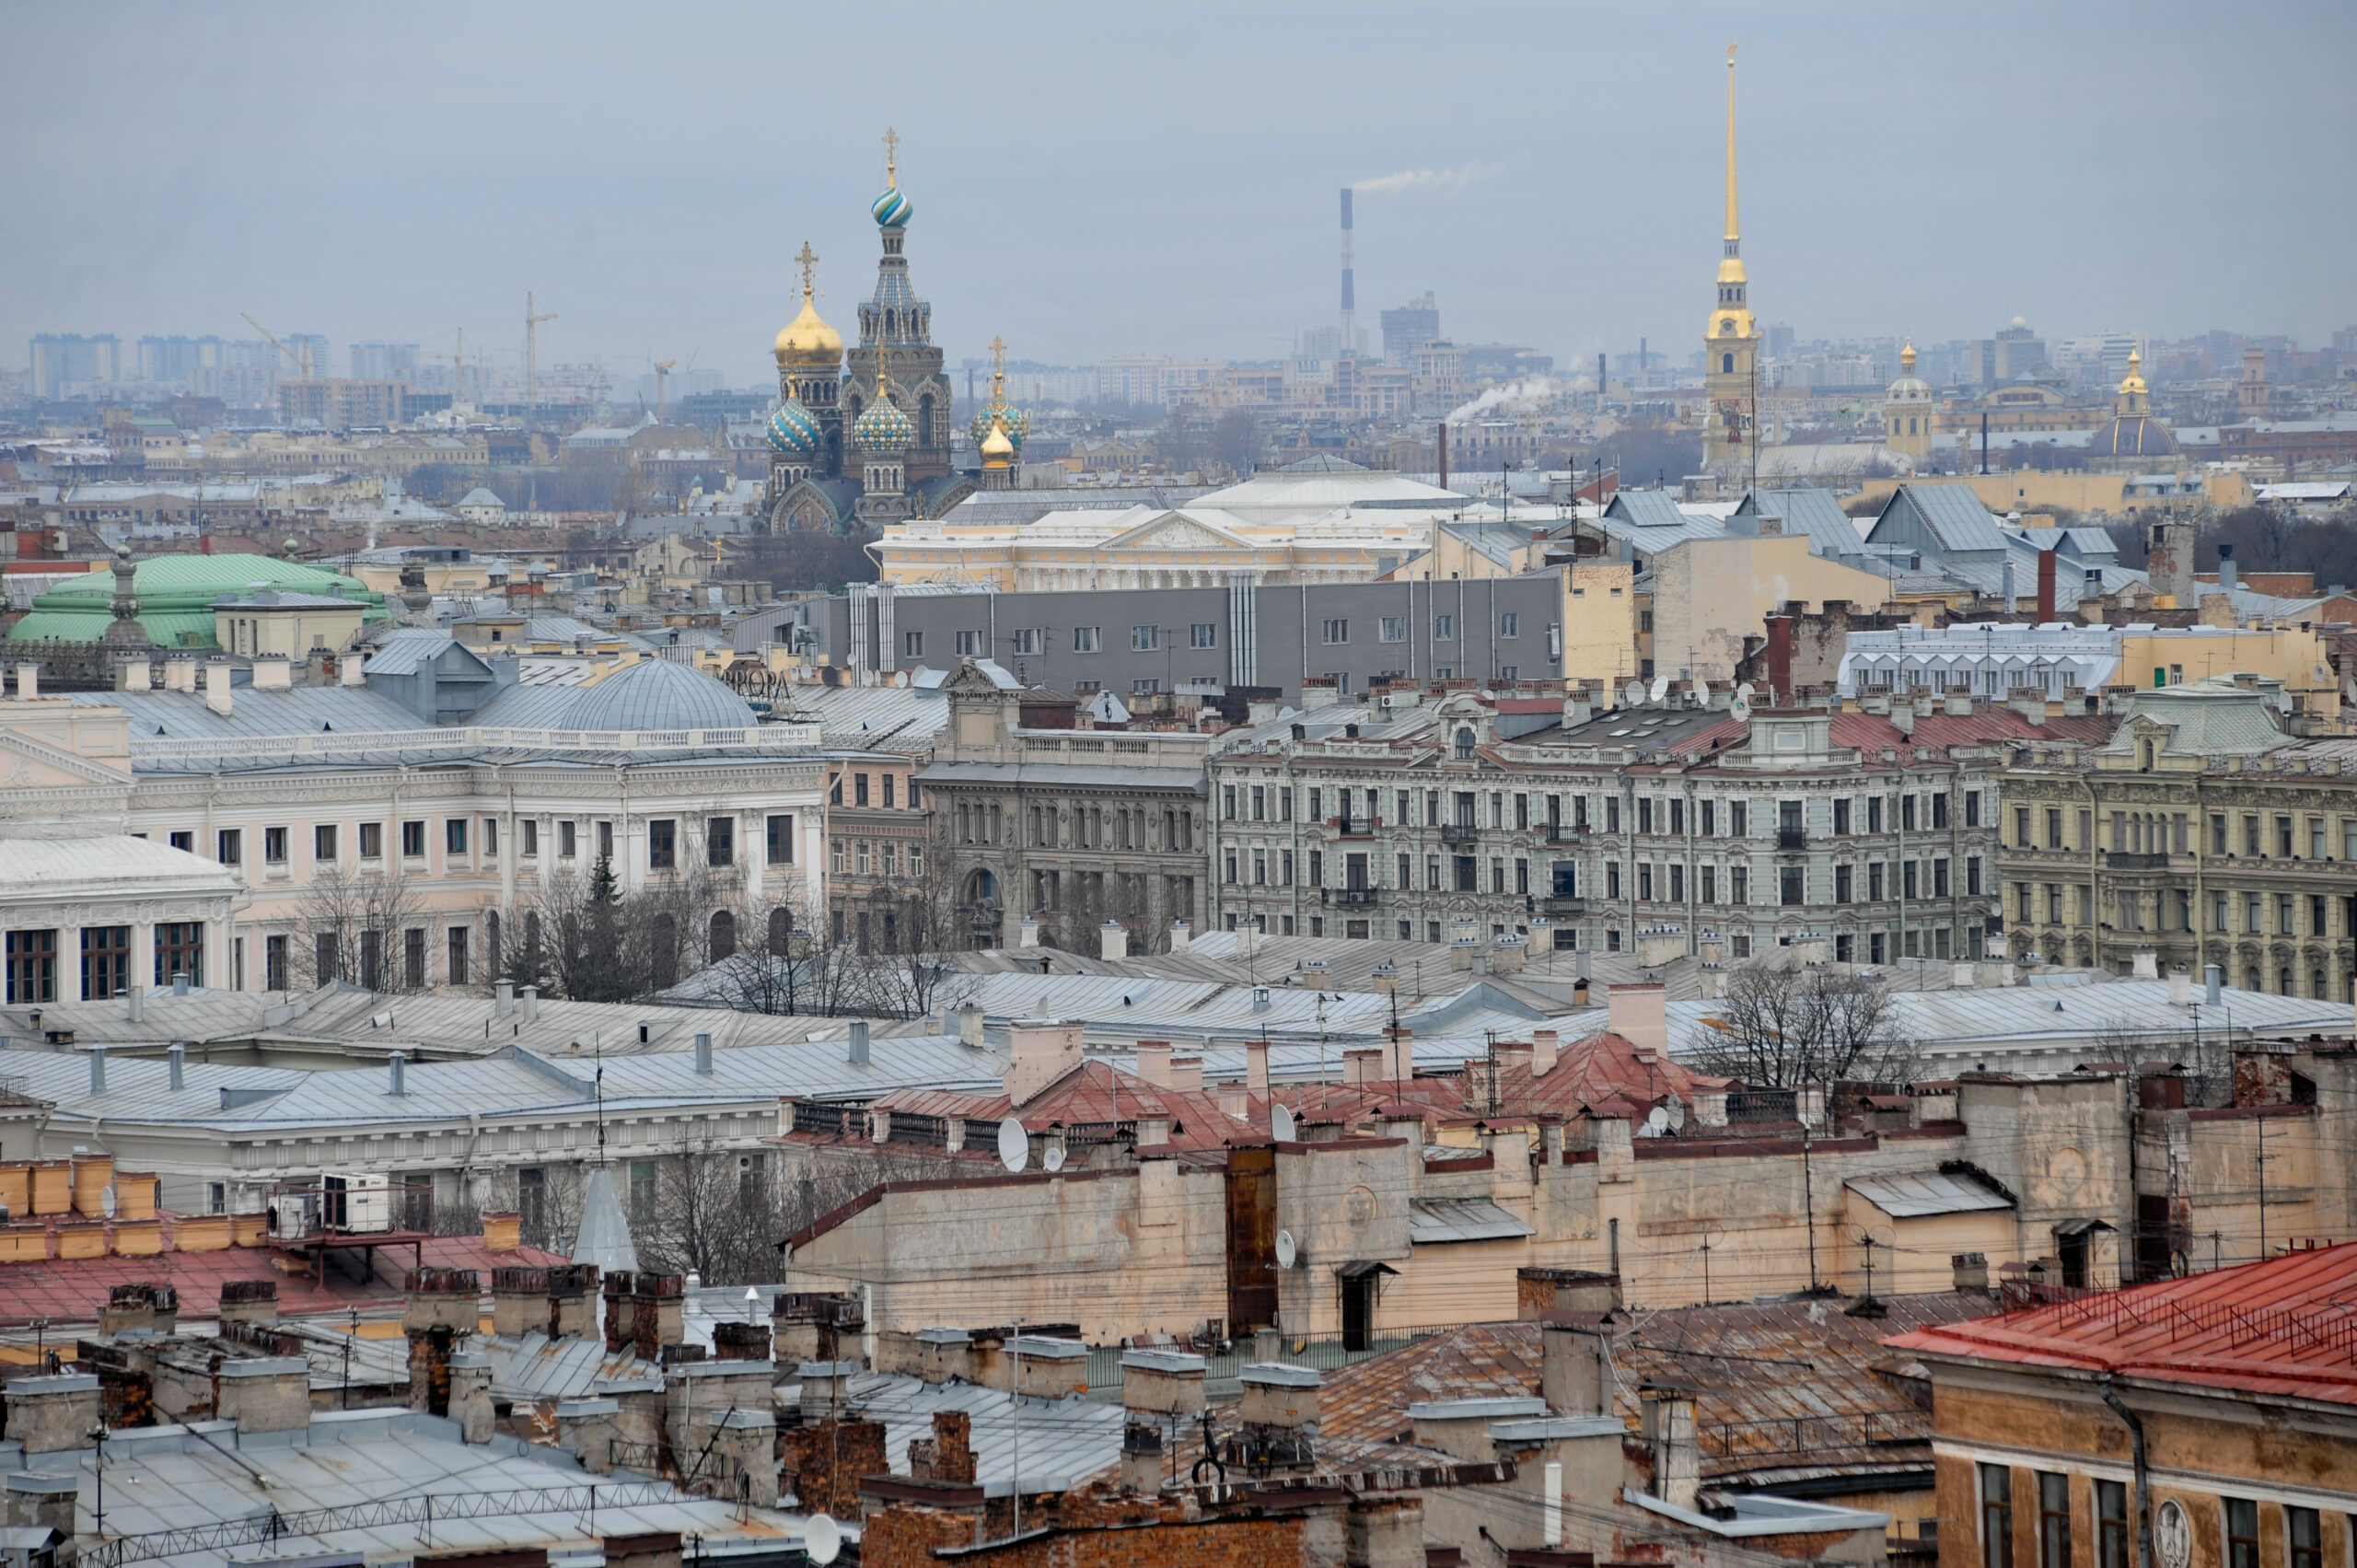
<point x="1053" y="1159"/>
<point x="1660" y="689"/>
<point x="1656" y="1119"/>
<point x="1747" y="691"/>
<point x="1633" y="695"/>
<point x="1741" y="710"/>
<point x="1286" y="1252"/>
<point x="822" y="1539"/>
<point x="1013" y="1145"/>
<point x="106" y="1200"/>
<point x="1280" y="1125"/>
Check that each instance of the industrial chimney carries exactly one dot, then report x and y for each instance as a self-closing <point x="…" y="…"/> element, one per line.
<point x="1350" y="344"/>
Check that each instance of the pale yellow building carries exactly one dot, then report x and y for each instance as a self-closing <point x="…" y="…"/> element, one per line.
<point x="288" y="625"/>
<point x="2034" y="490"/>
<point x="1710" y="595"/>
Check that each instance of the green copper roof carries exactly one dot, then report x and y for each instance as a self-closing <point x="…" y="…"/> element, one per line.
<point x="176" y="598"/>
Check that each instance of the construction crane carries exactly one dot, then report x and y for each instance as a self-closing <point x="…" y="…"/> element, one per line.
<point x="663" y="368"/>
<point x="302" y="361"/>
<point x="459" y="372"/>
<point x="532" y="355"/>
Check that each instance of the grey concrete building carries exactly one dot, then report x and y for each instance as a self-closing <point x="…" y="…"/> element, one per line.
<point x="1144" y="639"/>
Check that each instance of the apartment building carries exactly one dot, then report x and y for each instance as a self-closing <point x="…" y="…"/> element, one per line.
<point x="1484" y="817"/>
<point x="2201" y="831"/>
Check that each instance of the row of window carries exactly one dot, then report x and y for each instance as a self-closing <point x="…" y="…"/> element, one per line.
<point x="1335" y="630"/>
<point x="2285" y="836"/>
<point x="1037" y="641"/>
<point x="1909" y="880"/>
<point x="2116" y="1529"/>
<point x="888" y="786"/>
<point x="105" y="952"/>
<point x="871" y="857"/>
<point x="1669" y="815"/>
<point x="2293" y="914"/>
<point x="662" y="840"/>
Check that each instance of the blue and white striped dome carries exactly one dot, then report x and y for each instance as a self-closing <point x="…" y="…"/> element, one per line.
<point x="883" y="428"/>
<point x="794" y="430"/>
<point x="892" y="209"/>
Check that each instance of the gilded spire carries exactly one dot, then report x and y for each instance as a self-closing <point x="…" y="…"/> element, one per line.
<point x="809" y="261"/>
<point x="998" y="372"/>
<point x="1732" y="232"/>
<point x="892" y="158"/>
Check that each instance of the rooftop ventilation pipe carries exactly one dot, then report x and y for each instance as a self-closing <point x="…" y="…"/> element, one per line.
<point x="398" y="1073"/>
<point x="178" y="1056"/>
<point x="703" y="1051"/>
<point x="97" y="1069"/>
<point x="857" y="1052"/>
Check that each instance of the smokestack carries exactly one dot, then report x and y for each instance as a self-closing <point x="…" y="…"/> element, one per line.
<point x="2045" y="586"/>
<point x="1443" y="454"/>
<point x="1350" y="302"/>
<point x="2227" y="568"/>
<point x="1599" y="377"/>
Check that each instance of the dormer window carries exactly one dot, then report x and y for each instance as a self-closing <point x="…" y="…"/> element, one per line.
<point x="1465" y="744"/>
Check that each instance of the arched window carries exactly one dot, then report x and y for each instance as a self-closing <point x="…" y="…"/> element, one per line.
<point x="924" y="419"/>
<point x="1464" y="744"/>
<point x="491" y="954"/>
<point x="723" y="935"/>
<point x="781" y="932"/>
<point x="1727" y="364"/>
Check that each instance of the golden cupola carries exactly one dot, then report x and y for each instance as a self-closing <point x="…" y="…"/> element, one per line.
<point x="806" y="341"/>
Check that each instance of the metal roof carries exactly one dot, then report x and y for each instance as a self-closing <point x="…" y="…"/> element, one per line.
<point x="1956" y="516"/>
<point x="1436" y="1220"/>
<point x="295" y="710"/>
<point x="179" y="1478"/>
<point x="1913" y="1195"/>
<point x="1061" y="1441"/>
<point x="651" y="694"/>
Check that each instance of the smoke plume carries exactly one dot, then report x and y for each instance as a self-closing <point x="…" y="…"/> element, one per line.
<point x="1446" y="180"/>
<point x="1530" y="390"/>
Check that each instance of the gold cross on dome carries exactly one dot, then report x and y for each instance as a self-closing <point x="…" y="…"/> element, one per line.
<point x="891" y="155"/>
<point x="998" y="357"/>
<point x="809" y="263"/>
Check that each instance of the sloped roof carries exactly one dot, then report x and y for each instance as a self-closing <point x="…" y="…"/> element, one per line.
<point x="2280" y="1327"/>
<point x="654" y="694"/>
<point x="1953" y="513"/>
<point x="604" y="1237"/>
<point x="1814" y="512"/>
<point x="1093" y="1092"/>
<point x="1913" y="1194"/>
<point x="2209" y="717"/>
<point x="1604" y="1069"/>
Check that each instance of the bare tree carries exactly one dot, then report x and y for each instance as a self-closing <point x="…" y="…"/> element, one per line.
<point x="355" y="929"/>
<point x="721" y="1213"/>
<point x="916" y="917"/>
<point x="1778" y="1027"/>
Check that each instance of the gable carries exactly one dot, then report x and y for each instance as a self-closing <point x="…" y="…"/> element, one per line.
<point x="27" y="764"/>
<point x="1176" y="530"/>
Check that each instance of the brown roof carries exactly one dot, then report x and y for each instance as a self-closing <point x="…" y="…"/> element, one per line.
<point x="1604" y="1070"/>
<point x="1094" y="1093"/>
<point x="1782" y="1390"/>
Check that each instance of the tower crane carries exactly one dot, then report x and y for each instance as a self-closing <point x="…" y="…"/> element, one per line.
<point x="302" y="361"/>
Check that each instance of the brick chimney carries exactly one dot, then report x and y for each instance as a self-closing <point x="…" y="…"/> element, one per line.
<point x="249" y="1301"/>
<point x="1256" y="1066"/>
<point x="49" y="1415"/>
<point x="1780" y="659"/>
<point x="519" y="1302"/>
<point x="1160" y="1389"/>
<point x="1037" y="1055"/>
<point x="1669" y="1432"/>
<point x="2045" y="586"/>
<point x="439" y="1304"/>
<point x="1542" y="1052"/>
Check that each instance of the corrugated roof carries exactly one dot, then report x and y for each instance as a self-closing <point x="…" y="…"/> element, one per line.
<point x="1956" y="517"/>
<point x="1911" y="1194"/>
<point x="1435" y="1221"/>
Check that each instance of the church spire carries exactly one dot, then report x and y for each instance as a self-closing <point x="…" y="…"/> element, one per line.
<point x="1733" y="234"/>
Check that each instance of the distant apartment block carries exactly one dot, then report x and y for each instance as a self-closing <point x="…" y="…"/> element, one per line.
<point x="62" y="359"/>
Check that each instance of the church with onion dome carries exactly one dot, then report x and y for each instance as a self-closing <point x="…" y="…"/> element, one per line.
<point x="863" y="438"/>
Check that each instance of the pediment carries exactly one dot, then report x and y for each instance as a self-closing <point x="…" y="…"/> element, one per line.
<point x="1176" y="530"/>
<point x="27" y="763"/>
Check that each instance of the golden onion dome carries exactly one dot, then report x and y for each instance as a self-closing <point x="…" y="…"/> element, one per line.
<point x="808" y="341"/>
<point x="998" y="447"/>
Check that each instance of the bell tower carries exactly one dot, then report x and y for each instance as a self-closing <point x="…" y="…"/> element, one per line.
<point x="1731" y="343"/>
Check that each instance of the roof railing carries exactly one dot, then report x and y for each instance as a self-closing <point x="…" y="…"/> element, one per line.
<point x="765" y="737"/>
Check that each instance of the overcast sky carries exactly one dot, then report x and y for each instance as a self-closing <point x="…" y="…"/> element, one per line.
<point x="1092" y="179"/>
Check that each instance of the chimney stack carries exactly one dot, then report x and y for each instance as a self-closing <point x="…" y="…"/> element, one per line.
<point x="1180" y="934"/>
<point x="249" y="1301"/>
<point x="1780" y="659"/>
<point x="1542" y="1052"/>
<point x="2045" y="586"/>
<point x="1638" y="1013"/>
<point x="1113" y="940"/>
<point x="1038" y="1053"/>
<point x="1678" y="1455"/>
<point x="1256" y="1066"/>
<point x="704" y="1047"/>
<point x="178" y="1057"/>
<point x="216" y="687"/>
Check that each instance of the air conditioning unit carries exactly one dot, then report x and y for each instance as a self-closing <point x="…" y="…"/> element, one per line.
<point x="358" y="1203"/>
<point x="294" y="1215"/>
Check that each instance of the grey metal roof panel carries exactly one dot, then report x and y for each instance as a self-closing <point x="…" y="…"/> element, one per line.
<point x="1913" y="1195"/>
<point x="297" y="710"/>
<point x="1956" y="517"/>
<point x="1433" y="1221"/>
<point x="408" y="650"/>
<point x="1061" y="1441"/>
<point x="651" y="694"/>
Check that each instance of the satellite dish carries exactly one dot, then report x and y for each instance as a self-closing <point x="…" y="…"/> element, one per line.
<point x="1280" y="1125"/>
<point x="1013" y="1145"/>
<point x="822" y="1539"/>
<point x="1660" y="689"/>
<point x="1286" y="1252"/>
<point x="1747" y="691"/>
<point x="1656" y="1119"/>
<point x="1053" y="1159"/>
<point x="1633" y="695"/>
<point x="106" y="1200"/>
<point x="1741" y="709"/>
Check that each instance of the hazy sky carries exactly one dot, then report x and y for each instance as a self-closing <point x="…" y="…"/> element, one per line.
<point x="1098" y="178"/>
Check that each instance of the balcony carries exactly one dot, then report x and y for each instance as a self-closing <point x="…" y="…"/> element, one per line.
<point x="1355" y="828"/>
<point x="1459" y="833"/>
<point x="2136" y="860"/>
<point x="1349" y="895"/>
<point x="1563" y="834"/>
<point x="1790" y="839"/>
<point x="1563" y="903"/>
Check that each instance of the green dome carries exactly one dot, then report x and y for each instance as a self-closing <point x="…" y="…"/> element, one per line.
<point x="176" y="596"/>
<point x="883" y="428"/>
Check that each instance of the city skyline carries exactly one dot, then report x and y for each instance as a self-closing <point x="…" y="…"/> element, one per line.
<point x="664" y="232"/>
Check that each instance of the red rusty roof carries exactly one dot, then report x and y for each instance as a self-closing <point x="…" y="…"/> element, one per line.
<point x="1602" y="1072"/>
<point x="2286" y="1326"/>
<point x="1094" y="1092"/>
<point x="72" y="1290"/>
<point x="1987" y="725"/>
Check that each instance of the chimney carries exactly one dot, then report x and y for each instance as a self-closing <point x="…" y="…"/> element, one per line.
<point x="1278" y="1398"/>
<point x="249" y="1301"/>
<point x="266" y="1394"/>
<point x="178" y="1057"/>
<point x="1037" y="1055"/>
<point x="1638" y="1013"/>
<point x="1398" y="1052"/>
<point x="2045" y="586"/>
<point x="1971" y="1270"/>
<point x="1780" y="659"/>
<point x="1256" y="1066"/>
<point x="2010" y="595"/>
<point x="439" y="1304"/>
<point x="519" y="1302"/>
<point x="1113" y="940"/>
<point x="1028" y="934"/>
<point x="1442" y="430"/>
<point x="1050" y="1369"/>
<point x="2180" y="986"/>
<point x="272" y="675"/>
<point x="1180" y="934"/>
<point x="1187" y="1072"/>
<point x="970" y="1025"/>
<point x="1573" y="1370"/>
<point x="2229" y="577"/>
<point x="50" y="1415"/>
<point x="502" y="998"/>
<point x="527" y="1003"/>
<point x="826" y="1390"/>
<point x="216" y="687"/>
<point x="1248" y="939"/>
<point x="27" y="681"/>
<point x="586" y="1427"/>
<point x="349" y="670"/>
<point x="180" y="675"/>
<point x="1678" y="1455"/>
<point x="704" y="1046"/>
<point x="134" y="674"/>
<point x="2213" y="979"/>
<point x="396" y="1077"/>
<point x="135" y="999"/>
<point x="1362" y="1067"/>
<point x="2147" y="964"/>
<point x="1542" y="1052"/>
<point x="98" y="1069"/>
<point x="1153" y="1062"/>
<point x="471" y="1403"/>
